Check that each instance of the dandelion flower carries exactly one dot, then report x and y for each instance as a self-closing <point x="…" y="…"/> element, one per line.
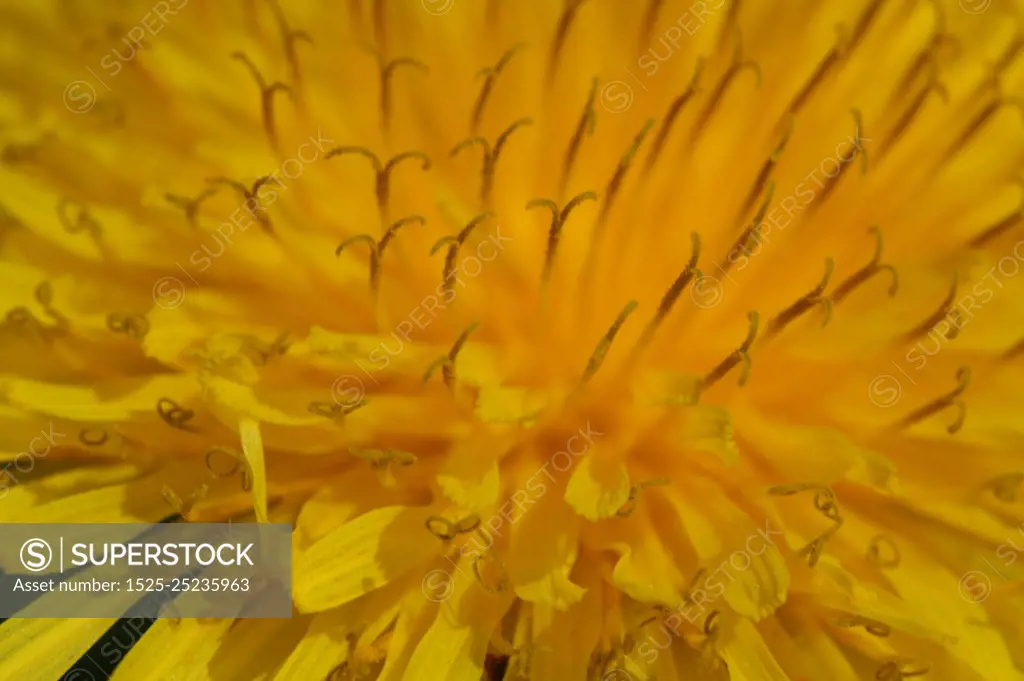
<point x="576" y="340"/>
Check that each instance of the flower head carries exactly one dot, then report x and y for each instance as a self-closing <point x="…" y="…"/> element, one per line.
<point x="577" y="340"/>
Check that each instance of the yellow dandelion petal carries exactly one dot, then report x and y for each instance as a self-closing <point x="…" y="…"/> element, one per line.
<point x="599" y="487"/>
<point x="252" y="447"/>
<point x="361" y="556"/>
<point x="540" y="569"/>
<point x="46" y="647"/>
<point x="575" y="340"/>
<point x="187" y="648"/>
<point x="747" y="655"/>
<point x="455" y="645"/>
